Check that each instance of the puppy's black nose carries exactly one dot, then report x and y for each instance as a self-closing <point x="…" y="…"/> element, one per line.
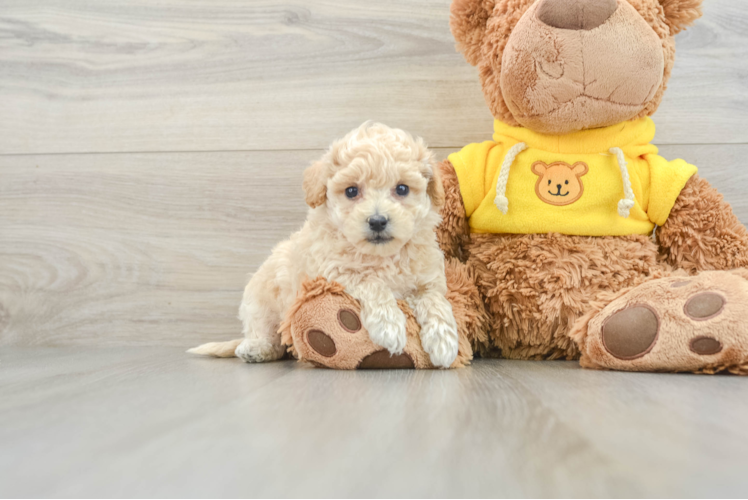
<point x="377" y="223"/>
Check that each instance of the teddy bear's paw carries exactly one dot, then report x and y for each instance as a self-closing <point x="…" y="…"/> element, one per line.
<point x="259" y="351"/>
<point x="327" y="330"/>
<point x="694" y="324"/>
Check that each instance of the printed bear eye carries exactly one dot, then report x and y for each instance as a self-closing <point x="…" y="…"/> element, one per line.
<point x="351" y="192"/>
<point x="566" y="182"/>
<point x="549" y="182"/>
<point x="402" y="190"/>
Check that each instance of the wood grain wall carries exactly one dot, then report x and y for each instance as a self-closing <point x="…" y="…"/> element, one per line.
<point x="151" y="152"/>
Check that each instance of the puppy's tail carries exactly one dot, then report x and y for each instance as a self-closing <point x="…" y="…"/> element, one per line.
<point x="217" y="349"/>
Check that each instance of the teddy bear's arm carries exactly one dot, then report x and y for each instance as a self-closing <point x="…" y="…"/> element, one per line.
<point x="453" y="232"/>
<point x="702" y="232"/>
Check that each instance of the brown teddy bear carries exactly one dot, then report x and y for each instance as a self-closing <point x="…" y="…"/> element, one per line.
<point x="572" y="84"/>
<point x="567" y="236"/>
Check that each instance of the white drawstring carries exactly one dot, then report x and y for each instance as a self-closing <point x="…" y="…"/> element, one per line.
<point x="501" y="201"/>
<point x="626" y="204"/>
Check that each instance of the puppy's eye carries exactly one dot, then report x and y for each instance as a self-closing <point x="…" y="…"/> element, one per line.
<point x="351" y="192"/>
<point x="402" y="190"/>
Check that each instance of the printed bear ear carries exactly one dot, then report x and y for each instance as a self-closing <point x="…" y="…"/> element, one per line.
<point x="680" y="14"/>
<point x="579" y="169"/>
<point x="468" y="22"/>
<point x="539" y="168"/>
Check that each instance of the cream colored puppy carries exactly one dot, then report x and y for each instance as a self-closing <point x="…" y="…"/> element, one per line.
<point x="375" y="201"/>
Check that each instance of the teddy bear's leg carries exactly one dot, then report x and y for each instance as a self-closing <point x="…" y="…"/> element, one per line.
<point x="679" y="323"/>
<point x="682" y="323"/>
<point x="702" y="233"/>
<point x="324" y="328"/>
<point x="537" y="286"/>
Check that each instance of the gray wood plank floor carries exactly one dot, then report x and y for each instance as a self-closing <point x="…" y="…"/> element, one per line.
<point x="151" y="156"/>
<point x="148" y="422"/>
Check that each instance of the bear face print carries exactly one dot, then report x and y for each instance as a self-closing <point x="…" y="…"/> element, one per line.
<point x="559" y="183"/>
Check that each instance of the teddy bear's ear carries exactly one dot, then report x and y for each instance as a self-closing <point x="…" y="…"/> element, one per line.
<point x="315" y="183"/>
<point x="680" y="14"/>
<point x="468" y="22"/>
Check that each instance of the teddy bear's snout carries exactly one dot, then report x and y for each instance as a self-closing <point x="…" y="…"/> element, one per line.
<point x="576" y="14"/>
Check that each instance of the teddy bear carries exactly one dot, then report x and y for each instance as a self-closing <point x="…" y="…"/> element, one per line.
<point x="567" y="236"/>
<point x="584" y="242"/>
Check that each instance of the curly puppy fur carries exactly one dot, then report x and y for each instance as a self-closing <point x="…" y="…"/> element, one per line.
<point x="356" y="180"/>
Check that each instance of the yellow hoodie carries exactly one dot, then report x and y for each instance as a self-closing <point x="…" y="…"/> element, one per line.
<point x="602" y="182"/>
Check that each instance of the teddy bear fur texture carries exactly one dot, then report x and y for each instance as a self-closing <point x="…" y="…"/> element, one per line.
<point x="547" y="294"/>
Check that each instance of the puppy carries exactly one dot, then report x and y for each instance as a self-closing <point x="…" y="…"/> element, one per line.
<point x="375" y="200"/>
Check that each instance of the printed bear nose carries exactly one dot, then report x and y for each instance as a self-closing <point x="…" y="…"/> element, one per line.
<point x="377" y="223"/>
<point x="558" y="186"/>
<point x="576" y="14"/>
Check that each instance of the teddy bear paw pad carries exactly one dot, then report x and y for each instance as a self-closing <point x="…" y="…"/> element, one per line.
<point x="670" y="324"/>
<point x="384" y="360"/>
<point x="349" y="320"/>
<point x="705" y="345"/>
<point x="631" y="333"/>
<point x="321" y="343"/>
<point x="704" y="306"/>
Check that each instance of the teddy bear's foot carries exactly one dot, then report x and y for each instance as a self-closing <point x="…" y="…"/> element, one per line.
<point x="695" y="324"/>
<point x="324" y="328"/>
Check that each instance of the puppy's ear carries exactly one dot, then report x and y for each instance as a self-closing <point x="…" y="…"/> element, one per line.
<point x="315" y="183"/>
<point x="468" y="21"/>
<point x="435" y="189"/>
<point x="680" y="14"/>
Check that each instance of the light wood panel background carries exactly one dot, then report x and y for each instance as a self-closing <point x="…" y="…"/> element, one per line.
<point x="206" y="75"/>
<point x="151" y="152"/>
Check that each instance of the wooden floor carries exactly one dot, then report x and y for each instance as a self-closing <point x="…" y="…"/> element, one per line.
<point x="151" y="156"/>
<point x="142" y="421"/>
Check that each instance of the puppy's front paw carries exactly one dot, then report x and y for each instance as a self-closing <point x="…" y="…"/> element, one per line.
<point x="386" y="328"/>
<point x="259" y="351"/>
<point x="439" y="339"/>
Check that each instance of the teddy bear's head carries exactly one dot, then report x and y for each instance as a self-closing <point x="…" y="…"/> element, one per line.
<point x="559" y="66"/>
